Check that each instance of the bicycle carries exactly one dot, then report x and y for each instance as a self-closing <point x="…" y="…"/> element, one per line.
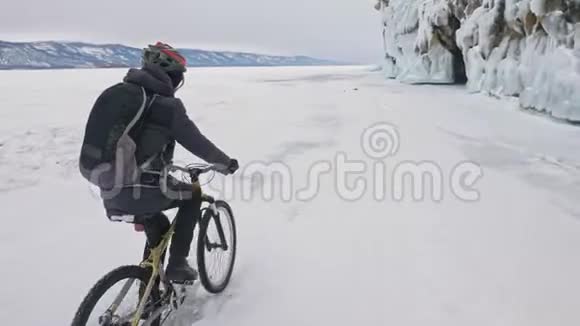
<point x="156" y="297"/>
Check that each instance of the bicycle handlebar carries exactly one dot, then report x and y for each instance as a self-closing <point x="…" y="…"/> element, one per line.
<point x="195" y="172"/>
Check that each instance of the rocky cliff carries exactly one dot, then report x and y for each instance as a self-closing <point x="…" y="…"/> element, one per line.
<point x="524" y="48"/>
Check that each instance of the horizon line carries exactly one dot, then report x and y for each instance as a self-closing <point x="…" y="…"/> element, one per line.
<point x="184" y="48"/>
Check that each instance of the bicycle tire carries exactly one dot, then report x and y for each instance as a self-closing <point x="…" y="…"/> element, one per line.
<point x="105" y="283"/>
<point x="203" y="273"/>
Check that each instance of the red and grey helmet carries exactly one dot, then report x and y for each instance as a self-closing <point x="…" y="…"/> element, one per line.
<point x="163" y="55"/>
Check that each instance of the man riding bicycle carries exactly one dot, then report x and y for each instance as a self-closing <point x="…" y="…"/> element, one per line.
<point x="128" y="161"/>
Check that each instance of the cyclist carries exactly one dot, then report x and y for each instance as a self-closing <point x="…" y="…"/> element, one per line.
<point x="163" y="123"/>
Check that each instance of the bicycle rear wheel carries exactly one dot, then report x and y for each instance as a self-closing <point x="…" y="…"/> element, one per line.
<point x="122" y="285"/>
<point x="216" y="248"/>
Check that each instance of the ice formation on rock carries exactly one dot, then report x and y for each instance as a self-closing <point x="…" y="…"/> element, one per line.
<point x="525" y="48"/>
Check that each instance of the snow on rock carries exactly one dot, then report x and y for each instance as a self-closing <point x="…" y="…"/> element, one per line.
<point x="418" y="40"/>
<point x="525" y="48"/>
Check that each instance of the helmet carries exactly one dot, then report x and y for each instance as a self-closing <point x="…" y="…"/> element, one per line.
<point x="163" y="55"/>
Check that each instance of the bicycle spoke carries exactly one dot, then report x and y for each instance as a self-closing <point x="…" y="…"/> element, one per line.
<point x="121" y="295"/>
<point x="121" y="311"/>
<point x="119" y="304"/>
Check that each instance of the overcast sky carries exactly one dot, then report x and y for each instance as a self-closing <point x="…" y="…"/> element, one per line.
<point x="335" y="29"/>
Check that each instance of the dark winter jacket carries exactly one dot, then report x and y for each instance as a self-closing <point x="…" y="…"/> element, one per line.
<point x="157" y="121"/>
<point x="166" y="122"/>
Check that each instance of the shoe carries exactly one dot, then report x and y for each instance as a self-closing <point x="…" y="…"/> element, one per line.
<point x="178" y="270"/>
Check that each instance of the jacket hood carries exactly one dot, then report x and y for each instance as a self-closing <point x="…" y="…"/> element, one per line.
<point x="152" y="78"/>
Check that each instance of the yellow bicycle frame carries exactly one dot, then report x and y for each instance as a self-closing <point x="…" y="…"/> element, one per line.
<point x="154" y="261"/>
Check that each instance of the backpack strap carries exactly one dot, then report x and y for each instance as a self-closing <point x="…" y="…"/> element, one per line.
<point x="143" y="167"/>
<point x="139" y="113"/>
<point x="137" y="117"/>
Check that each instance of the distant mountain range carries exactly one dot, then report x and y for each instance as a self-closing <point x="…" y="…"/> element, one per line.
<point x="62" y="55"/>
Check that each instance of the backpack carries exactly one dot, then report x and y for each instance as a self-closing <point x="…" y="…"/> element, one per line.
<point x="107" y="157"/>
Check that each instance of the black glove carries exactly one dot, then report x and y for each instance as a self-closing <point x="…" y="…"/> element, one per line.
<point x="233" y="166"/>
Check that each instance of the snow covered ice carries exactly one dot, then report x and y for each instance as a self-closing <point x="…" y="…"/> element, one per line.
<point x="509" y="258"/>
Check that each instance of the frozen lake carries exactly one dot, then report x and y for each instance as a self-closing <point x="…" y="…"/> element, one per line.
<point x="491" y="238"/>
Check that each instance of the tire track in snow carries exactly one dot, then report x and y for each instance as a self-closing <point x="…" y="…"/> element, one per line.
<point x="542" y="170"/>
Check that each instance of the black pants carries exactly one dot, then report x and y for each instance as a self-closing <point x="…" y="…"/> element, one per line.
<point x="187" y="216"/>
<point x="148" y="204"/>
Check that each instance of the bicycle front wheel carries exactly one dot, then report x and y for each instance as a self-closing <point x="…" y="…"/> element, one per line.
<point x="113" y="301"/>
<point x="216" y="248"/>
